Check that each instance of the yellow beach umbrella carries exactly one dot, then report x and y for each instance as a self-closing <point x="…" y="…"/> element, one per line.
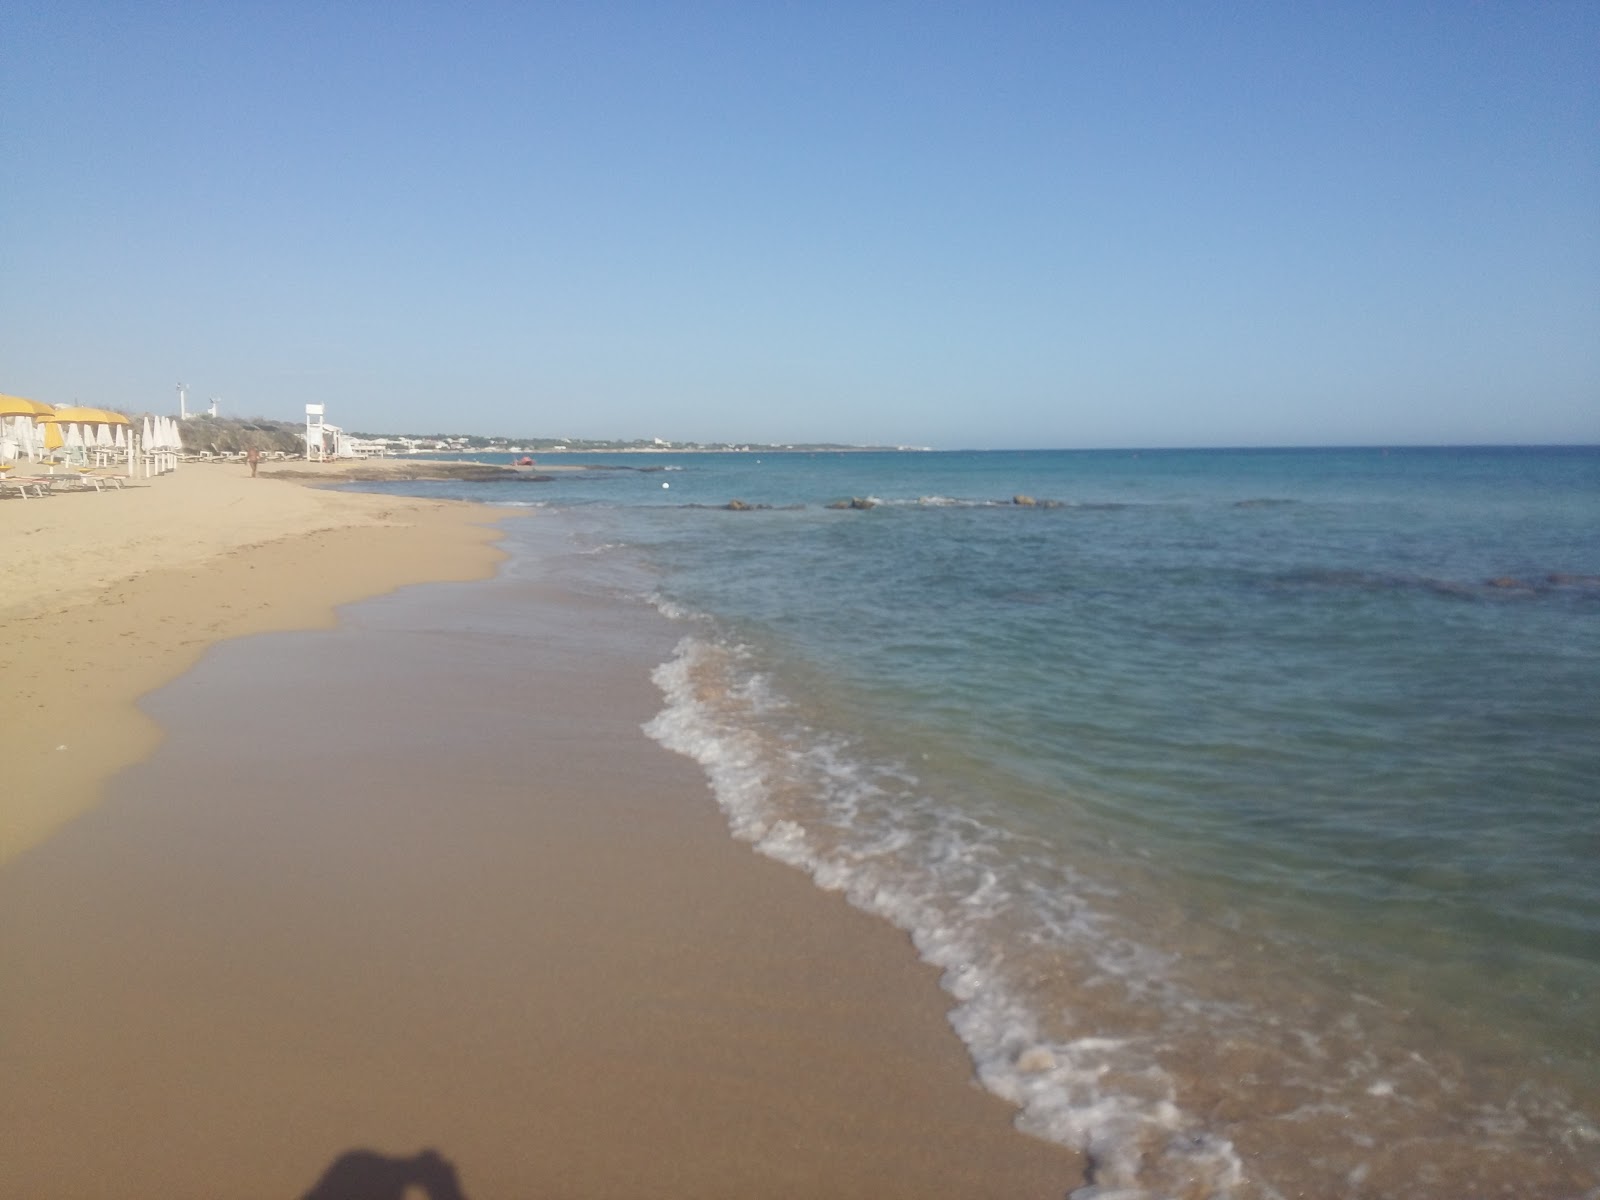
<point x="16" y="406"/>
<point x="52" y="434"/>
<point x="74" y="414"/>
<point x="78" y="414"/>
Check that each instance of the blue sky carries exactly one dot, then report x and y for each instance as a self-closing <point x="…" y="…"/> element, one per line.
<point x="959" y="225"/>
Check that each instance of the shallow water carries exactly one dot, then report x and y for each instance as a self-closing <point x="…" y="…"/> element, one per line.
<point x="1248" y="799"/>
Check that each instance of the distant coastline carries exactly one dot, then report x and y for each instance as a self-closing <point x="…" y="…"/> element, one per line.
<point x="408" y="444"/>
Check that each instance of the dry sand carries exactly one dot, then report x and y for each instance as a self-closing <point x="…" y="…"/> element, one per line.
<point x="419" y="881"/>
<point x="107" y="594"/>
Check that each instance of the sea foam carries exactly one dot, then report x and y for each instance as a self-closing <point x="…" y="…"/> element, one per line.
<point x="925" y="873"/>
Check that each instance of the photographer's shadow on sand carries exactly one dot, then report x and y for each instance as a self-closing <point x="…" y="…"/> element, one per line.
<point x="368" y="1175"/>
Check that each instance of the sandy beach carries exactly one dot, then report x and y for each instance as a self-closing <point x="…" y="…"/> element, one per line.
<point x="410" y="877"/>
<point x="106" y="595"/>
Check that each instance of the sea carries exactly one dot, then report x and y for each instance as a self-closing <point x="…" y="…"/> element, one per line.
<point x="1248" y="800"/>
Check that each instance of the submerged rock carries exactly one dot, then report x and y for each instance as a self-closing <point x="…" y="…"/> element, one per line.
<point x="854" y="502"/>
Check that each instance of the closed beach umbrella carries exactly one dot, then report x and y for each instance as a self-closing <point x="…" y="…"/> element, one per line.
<point x="52" y="438"/>
<point x="17" y="416"/>
<point x="14" y="413"/>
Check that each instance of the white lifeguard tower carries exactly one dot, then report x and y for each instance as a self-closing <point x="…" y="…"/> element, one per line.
<point x="314" y="424"/>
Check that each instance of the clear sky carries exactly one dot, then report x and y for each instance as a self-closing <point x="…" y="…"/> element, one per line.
<point x="959" y="225"/>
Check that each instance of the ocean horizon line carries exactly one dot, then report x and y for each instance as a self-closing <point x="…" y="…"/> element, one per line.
<point x="779" y="448"/>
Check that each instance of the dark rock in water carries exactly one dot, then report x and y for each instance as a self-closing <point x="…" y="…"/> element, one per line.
<point x="1506" y="581"/>
<point x="737" y="506"/>
<point x="1563" y="580"/>
<point x="854" y="502"/>
<point x="489" y="473"/>
<point x="1024" y="501"/>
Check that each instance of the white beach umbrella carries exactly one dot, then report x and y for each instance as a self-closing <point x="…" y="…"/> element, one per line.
<point x="72" y="442"/>
<point x="174" y="443"/>
<point x="102" y="437"/>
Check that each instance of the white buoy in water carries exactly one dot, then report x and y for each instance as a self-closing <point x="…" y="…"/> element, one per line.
<point x="666" y="485"/>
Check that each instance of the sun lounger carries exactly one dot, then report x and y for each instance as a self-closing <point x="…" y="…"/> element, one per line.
<point x="21" y="486"/>
<point x="73" y="482"/>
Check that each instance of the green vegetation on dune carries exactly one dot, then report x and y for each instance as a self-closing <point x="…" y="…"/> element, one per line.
<point x="234" y="435"/>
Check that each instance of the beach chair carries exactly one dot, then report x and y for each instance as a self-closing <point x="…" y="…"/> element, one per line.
<point x="20" y="487"/>
<point x="71" y="482"/>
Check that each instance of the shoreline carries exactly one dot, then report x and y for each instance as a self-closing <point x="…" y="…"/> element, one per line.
<point x="122" y="592"/>
<point x="276" y="938"/>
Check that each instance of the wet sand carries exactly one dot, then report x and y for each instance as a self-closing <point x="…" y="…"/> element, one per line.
<point x="107" y="595"/>
<point x="421" y="880"/>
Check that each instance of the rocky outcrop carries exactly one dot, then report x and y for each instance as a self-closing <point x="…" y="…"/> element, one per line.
<point x="854" y="502"/>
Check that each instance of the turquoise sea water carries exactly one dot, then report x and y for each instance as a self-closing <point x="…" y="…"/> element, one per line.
<point x="1250" y="800"/>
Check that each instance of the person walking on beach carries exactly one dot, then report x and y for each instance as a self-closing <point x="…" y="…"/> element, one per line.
<point x="253" y="457"/>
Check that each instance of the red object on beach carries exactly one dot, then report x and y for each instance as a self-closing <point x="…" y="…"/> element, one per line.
<point x="524" y="461"/>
